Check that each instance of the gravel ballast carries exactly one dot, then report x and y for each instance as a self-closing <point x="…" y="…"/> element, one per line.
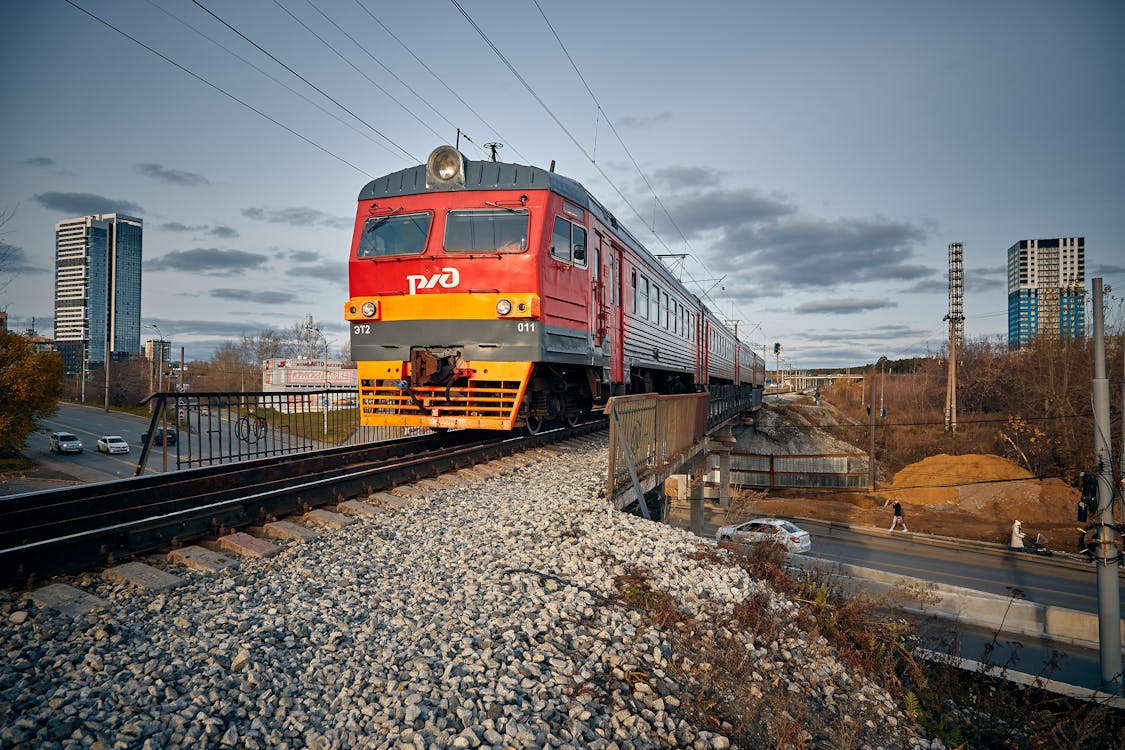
<point x="479" y="616"/>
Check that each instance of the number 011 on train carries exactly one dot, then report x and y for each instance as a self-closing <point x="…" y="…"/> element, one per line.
<point x="489" y="295"/>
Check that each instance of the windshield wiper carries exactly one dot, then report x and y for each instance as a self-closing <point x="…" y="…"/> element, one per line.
<point x="509" y="209"/>
<point x="382" y="220"/>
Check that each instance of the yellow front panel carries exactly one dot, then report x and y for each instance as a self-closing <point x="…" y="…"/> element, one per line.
<point x="490" y="400"/>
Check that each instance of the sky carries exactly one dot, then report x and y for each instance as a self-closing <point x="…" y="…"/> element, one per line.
<point x="813" y="159"/>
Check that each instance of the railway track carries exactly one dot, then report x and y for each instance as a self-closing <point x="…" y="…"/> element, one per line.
<point x="43" y="534"/>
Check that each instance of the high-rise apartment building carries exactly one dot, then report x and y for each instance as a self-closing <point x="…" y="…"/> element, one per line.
<point x="1046" y="290"/>
<point x="97" y="288"/>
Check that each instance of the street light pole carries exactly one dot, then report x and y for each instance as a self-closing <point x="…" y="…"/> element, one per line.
<point x="160" y="362"/>
<point x="309" y="328"/>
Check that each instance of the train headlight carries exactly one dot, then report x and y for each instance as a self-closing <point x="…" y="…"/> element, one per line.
<point x="503" y="307"/>
<point x="368" y="309"/>
<point x="445" y="168"/>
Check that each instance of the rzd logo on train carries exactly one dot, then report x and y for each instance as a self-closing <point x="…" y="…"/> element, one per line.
<point x="447" y="278"/>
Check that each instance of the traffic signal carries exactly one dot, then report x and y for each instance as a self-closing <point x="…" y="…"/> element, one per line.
<point x="777" y="347"/>
<point x="1089" y="499"/>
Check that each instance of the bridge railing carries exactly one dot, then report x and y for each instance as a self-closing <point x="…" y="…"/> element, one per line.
<point x="217" y="428"/>
<point x="647" y="433"/>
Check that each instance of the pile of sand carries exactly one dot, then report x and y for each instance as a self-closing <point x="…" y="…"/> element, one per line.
<point x="984" y="485"/>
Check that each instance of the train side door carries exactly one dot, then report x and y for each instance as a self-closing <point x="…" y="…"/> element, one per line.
<point x="615" y="259"/>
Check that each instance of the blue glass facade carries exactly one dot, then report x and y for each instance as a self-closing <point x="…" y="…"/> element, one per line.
<point x="98" y="288"/>
<point x="127" y="289"/>
<point x="1046" y="290"/>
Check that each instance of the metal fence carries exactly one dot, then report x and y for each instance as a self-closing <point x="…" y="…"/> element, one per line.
<point x="203" y="429"/>
<point x="652" y="436"/>
<point x="813" y="471"/>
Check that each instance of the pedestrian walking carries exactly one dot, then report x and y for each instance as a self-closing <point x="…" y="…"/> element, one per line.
<point x="898" y="519"/>
<point x="1016" y="542"/>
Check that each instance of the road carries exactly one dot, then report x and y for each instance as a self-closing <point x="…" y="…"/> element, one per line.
<point x="1037" y="579"/>
<point x="89" y="423"/>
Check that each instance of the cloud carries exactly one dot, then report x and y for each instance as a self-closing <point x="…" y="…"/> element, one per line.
<point x="207" y="260"/>
<point x="842" y="306"/>
<point x="83" y="204"/>
<point x="1104" y="270"/>
<point x="172" y="176"/>
<point x="39" y="161"/>
<point x="936" y="285"/>
<point x="303" y="256"/>
<point x="335" y="271"/>
<point x="679" y="178"/>
<point x="639" y="122"/>
<point x="298" y="217"/>
<point x="802" y="252"/>
<point x="221" y="232"/>
<point x="730" y="212"/>
<point x="262" y="297"/>
<point x="14" y="261"/>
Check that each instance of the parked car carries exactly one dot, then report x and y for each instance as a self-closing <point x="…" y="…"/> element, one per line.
<point x="788" y="535"/>
<point x="162" y="437"/>
<point x="64" y="442"/>
<point x="112" y="444"/>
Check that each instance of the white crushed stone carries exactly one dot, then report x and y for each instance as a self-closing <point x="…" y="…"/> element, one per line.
<point x="473" y="618"/>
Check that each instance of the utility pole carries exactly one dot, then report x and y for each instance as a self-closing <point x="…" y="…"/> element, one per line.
<point x="956" y="318"/>
<point x="1108" y="556"/>
<point x="871" y="436"/>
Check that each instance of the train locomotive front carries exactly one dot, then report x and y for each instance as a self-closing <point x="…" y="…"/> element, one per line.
<point x="445" y="308"/>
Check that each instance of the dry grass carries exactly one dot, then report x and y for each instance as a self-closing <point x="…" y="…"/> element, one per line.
<point x="727" y="689"/>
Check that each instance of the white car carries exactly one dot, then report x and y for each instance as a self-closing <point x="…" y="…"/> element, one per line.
<point x="788" y="535"/>
<point x="112" y="444"/>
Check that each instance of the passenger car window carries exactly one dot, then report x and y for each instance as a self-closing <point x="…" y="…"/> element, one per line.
<point x="396" y="234"/>
<point x="490" y="231"/>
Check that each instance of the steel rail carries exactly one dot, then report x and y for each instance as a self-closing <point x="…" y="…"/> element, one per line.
<point x="146" y="516"/>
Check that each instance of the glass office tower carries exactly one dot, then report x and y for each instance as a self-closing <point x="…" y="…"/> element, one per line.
<point x="97" y="288"/>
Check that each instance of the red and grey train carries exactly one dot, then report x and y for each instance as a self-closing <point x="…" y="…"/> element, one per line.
<point x="491" y="295"/>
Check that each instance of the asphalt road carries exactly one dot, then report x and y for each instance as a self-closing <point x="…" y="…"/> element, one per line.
<point x="1036" y="578"/>
<point x="89" y="423"/>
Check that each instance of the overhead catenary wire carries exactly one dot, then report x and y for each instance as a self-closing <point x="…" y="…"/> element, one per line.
<point x="440" y="80"/>
<point x="272" y="77"/>
<point x="218" y="88"/>
<point x="309" y="83"/>
<point x="352" y="65"/>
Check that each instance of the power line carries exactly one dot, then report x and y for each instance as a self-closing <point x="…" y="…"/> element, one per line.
<point x="531" y="90"/>
<point x="222" y="91"/>
<point x="307" y="81"/>
<point x="352" y="65"/>
<point x="389" y="72"/>
<point x="443" y="83"/>
<point x="270" y="76"/>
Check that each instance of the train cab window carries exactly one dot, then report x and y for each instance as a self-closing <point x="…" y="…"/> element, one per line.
<point x="634" y="277"/>
<point x="568" y="242"/>
<point x="395" y="234"/>
<point x="578" y="243"/>
<point x="486" y="231"/>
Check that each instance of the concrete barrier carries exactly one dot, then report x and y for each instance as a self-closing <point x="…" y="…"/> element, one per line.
<point x="979" y="608"/>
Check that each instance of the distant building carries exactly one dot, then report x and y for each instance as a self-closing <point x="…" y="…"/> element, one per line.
<point x="1046" y="290"/>
<point x="97" y="288"/>
<point x="298" y="377"/>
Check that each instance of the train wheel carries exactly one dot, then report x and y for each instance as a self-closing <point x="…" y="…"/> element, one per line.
<point x="535" y="424"/>
<point x="572" y="418"/>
